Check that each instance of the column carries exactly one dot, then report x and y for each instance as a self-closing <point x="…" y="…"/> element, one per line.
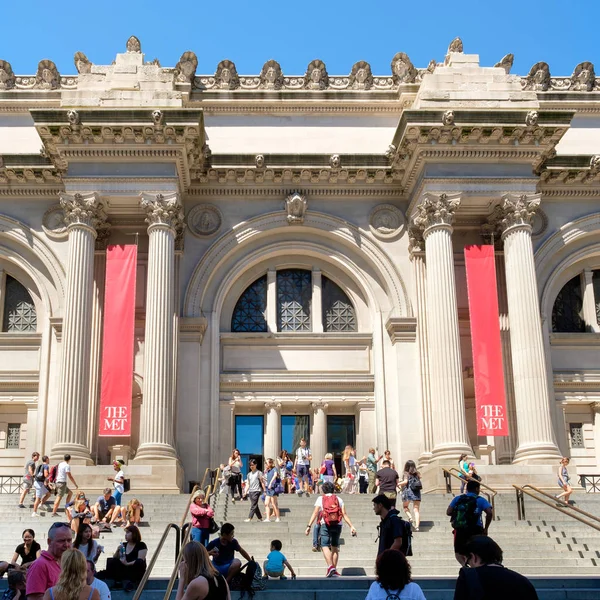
<point x="595" y="406"/>
<point x="589" y="302"/>
<point x="317" y="301"/>
<point x="272" y="441"/>
<point x="435" y="215"/>
<point x="417" y="256"/>
<point x="318" y="438"/>
<point x="165" y="219"/>
<point x="84" y="215"/>
<point x="532" y="401"/>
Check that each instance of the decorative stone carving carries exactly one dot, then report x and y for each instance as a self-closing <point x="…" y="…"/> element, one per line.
<point x="436" y="210"/>
<point x="386" y="222"/>
<point x="456" y="45"/>
<point x="47" y="76"/>
<point x="295" y="206"/>
<point x="316" y="76"/>
<point x="7" y="77"/>
<point x="531" y="118"/>
<point x="584" y="77"/>
<point x="157" y="117"/>
<point x="73" y="117"/>
<point x="259" y="161"/>
<point x="539" y="223"/>
<point x="335" y="161"/>
<point x="82" y="63"/>
<point x="448" y="118"/>
<point x="416" y="243"/>
<point x="185" y="69"/>
<point x="516" y="211"/>
<point x="506" y="63"/>
<point x="390" y="153"/>
<point x="53" y="223"/>
<point x="83" y="209"/>
<point x="163" y="210"/>
<point x="226" y="77"/>
<point x="595" y="163"/>
<point x="204" y="220"/>
<point x="538" y="78"/>
<point x="361" y="77"/>
<point x="403" y="71"/>
<point x="271" y="77"/>
<point x="133" y="45"/>
<point x="431" y="66"/>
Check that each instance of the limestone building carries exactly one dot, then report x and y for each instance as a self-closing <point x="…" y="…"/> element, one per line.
<point x="300" y="267"/>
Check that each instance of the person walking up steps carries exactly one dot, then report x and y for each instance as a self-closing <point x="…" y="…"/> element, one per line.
<point x="330" y="510"/>
<point x="563" y="481"/>
<point x="40" y="483"/>
<point x="63" y="472"/>
<point x="255" y="487"/>
<point x="28" y="478"/>
<point x="303" y="458"/>
<point x="411" y="492"/>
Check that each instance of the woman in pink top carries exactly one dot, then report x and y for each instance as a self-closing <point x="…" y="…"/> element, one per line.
<point x="202" y="513"/>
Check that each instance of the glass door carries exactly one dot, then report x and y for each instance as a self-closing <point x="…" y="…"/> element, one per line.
<point x="249" y="439"/>
<point x="340" y="433"/>
<point x="293" y="429"/>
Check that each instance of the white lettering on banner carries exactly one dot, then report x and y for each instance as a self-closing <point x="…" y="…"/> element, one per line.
<point x="115" y="418"/>
<point x="493" y="417"/>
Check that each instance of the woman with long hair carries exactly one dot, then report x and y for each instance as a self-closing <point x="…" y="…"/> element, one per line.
<point x="463" y="467"/>
<point x="78" y="511"/>
<point x="85" y="543"/>
<point x="198" y="579"/>
<point x="411" y="492"/>
<point x="132" y="513"/>
<point x="393" y="579"/>
<point x="563" y="480"/>
<point x="235" y="477"/>
<point x="271" y="491"/>
<point x="72" y="582"/>
<point x="349" y="460"/>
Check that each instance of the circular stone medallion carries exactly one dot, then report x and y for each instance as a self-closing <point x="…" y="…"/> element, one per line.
<point x="540" y="223"/>
<point x="386" y="222"/>
<point x="204" y="220"/>
<point x="53" y="223"/>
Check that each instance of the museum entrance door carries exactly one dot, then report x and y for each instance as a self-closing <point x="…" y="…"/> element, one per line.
<point x="341" y="432"/>
<point x="249" y="439"/>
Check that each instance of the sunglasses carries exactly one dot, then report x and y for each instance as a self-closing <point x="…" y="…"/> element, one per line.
<point x="57" y="525"/>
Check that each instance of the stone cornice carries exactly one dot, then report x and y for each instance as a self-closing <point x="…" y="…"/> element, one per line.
<point x="306" y="339"/>
<point x="192" y="329"/>
<point x="296" y="381"/>
<point x="402" y="329"/>
<point x="19" y="381"/>
<point x="575" y="340"/>
<point x="21" y="341"/>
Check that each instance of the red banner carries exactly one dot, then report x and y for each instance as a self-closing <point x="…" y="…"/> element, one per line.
<point x="117" y="347"/>
<point x="490" y="399"/>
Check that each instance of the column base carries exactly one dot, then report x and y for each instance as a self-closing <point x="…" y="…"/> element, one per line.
<point x="451" y="452"/>
<point x="155" y="452"/>
<point x="80" y="454"/>
<point x="537" y="454"/>
<point x="424" y="459"/>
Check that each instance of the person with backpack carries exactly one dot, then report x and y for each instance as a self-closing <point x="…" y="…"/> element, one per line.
<point x="40" y="483"/>
<point x="58" y="476"/>
<point x="411" y="492"/>
<point x="465" y="512"/>
<point x="394" y="532"/>
<point x="330" y="511"/>
<point x="394" y="580"/>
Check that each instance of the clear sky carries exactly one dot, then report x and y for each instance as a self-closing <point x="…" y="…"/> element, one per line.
<point x="294" y="33"/>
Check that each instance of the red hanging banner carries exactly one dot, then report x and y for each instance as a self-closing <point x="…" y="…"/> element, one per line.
<point x="484" y="315"/>
<point x="117" y="347"/>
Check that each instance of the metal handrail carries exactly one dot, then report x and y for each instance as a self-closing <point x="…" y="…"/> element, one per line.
<point x="212" y="486"/>
<point x="448" y="473"/>
<point x="566" y="508"/>
<point x="161" y="543"/>
<point x="206" y="472"/>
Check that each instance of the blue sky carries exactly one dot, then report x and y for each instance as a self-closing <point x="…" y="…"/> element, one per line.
<point x="250" y="33"/>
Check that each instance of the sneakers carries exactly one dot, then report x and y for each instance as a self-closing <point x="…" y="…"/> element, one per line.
<point x="316" y="549"/>
<point x="21" y="506"/>
<point x="247" y="520"/>
<point x="54" y="515"/>
<point x="266" y="520"/>
<point x="334" y="573"/>
<point x="277" y="520"/>
<point x="331" y="572"/>
<point x="34" y="514"/>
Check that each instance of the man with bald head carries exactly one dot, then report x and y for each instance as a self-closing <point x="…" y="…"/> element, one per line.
<point x="45" y="571"/>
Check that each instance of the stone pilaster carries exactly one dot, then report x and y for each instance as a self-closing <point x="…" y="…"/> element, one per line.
<point x="165" y="220"/>
<point x="534" y="422"/>
<point x="318" y="439"/>
<point x="595" y="406"/>
<point x="417" y="256"/>
<point x="435" y="215"/>
<point x="272" y="439"/>
<point x="589" y="302"/>
<point x="84" y="215"/>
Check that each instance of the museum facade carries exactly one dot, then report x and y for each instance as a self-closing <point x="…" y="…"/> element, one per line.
<point x="300" y="266"/>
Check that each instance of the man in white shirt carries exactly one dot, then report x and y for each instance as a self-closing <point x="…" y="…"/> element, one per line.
<point x="118" y="481"/>
<point x="303" y="458"/>
<point x="96" y="584"/>
<point x="63" y="472"/>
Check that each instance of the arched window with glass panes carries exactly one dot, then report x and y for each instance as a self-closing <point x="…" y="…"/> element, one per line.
<point x="577" y="306"/>
<point x="18" y="314"/>
<point x="294" y="301"/>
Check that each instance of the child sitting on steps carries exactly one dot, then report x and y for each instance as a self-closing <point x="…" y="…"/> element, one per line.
<point x="275" y="563"/>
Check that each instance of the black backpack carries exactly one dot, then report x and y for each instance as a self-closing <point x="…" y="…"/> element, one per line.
<point x="464" y="513"/>
<point x="406" y="530"/>
<point x="248" y="580"/>
<point x="39" y="473"/>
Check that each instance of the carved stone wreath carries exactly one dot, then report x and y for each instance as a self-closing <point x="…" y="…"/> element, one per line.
<point x="53" y="223"/>
<point x="386" y="222"/>
<point x="204" y="220"/>
<point x="540" y="223"/>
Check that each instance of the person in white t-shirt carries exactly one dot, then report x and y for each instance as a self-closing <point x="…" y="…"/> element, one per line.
<point x="96" y="584"/>
<point x="63" y="472"/>
<point x="303" y="458"/>
<point x="118" y="481"/>
<point x="393" y="579"/>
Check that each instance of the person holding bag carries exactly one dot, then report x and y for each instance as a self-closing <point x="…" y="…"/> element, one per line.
<point x="411" y="492"/>
<point x="272" y="491"/>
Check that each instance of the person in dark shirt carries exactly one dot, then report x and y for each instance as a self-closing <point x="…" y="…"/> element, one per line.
<point x="104" y="507"/>
<point x="391" y="528"/>
<point x="387" y="481"/>
<point x="28" y="551"/>
<point x="223" y="549"/>
<point x="484" y="577"/>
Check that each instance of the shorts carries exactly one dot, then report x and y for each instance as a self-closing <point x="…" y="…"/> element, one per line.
<point x="462" y="536"/>
<point x="302" y="471"/>
<point x="330" y="535"/>
<point x="271" y="493"/>
<point x="27" y="483"/>
<point x="391" y="495"/>
<point x="223" y="569"/>
<point x="40" y="489"/>
<point x="62" y="489"/>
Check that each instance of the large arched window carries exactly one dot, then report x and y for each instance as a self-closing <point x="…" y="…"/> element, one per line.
<point x="294" y="295"/>
<point x="19" y="314"/>
<point x="567" y="315"/>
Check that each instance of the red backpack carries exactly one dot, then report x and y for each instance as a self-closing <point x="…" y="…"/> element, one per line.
<point x="332" y="511"/>
<point x="53" y="473"/>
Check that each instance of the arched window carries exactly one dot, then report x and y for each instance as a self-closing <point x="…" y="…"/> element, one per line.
<point x="338" y="312"/>
<point x="250" y="312"/>
<point x="294" y="295"/>
<point x="19" y="309"/>
<point x="567" y="314"/>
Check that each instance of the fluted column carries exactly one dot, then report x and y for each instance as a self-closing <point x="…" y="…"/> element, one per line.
<point x="272" y="439"/>
<point x="417" y="256"/>
<point x="534" y="422"/>
<point x="435" y="215"/>
<point x="84" y="215"/>
<point x="165" y="219"/>
<point x="318" y="439"/>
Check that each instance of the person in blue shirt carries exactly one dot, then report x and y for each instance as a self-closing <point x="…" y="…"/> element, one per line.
<point x="276" y="562"/>
<point x="466" y="515"/>
<point x="223" y="549"/>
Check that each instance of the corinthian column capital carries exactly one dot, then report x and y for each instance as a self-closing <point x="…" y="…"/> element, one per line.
<point x="163" y="209"/>
<point x="436" y="211"/>
<point x="84" y="210"/>
<point x="516" y="211"/>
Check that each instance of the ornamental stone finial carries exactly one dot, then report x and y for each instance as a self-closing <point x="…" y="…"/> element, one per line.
<point x="163" y="209"/>
<point x="456" y="45"/>
<point x="516" y="211"/>
<point x="133" y="45"/>
<point x="185" y="69"/>
<point x="435" y="211"/>
<point x="87" y="210"/>
<point x="7" y="77"/>
<point x="506" y="63"/>
<point x="295" y="206"/>
<point x="82" y="63"/>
